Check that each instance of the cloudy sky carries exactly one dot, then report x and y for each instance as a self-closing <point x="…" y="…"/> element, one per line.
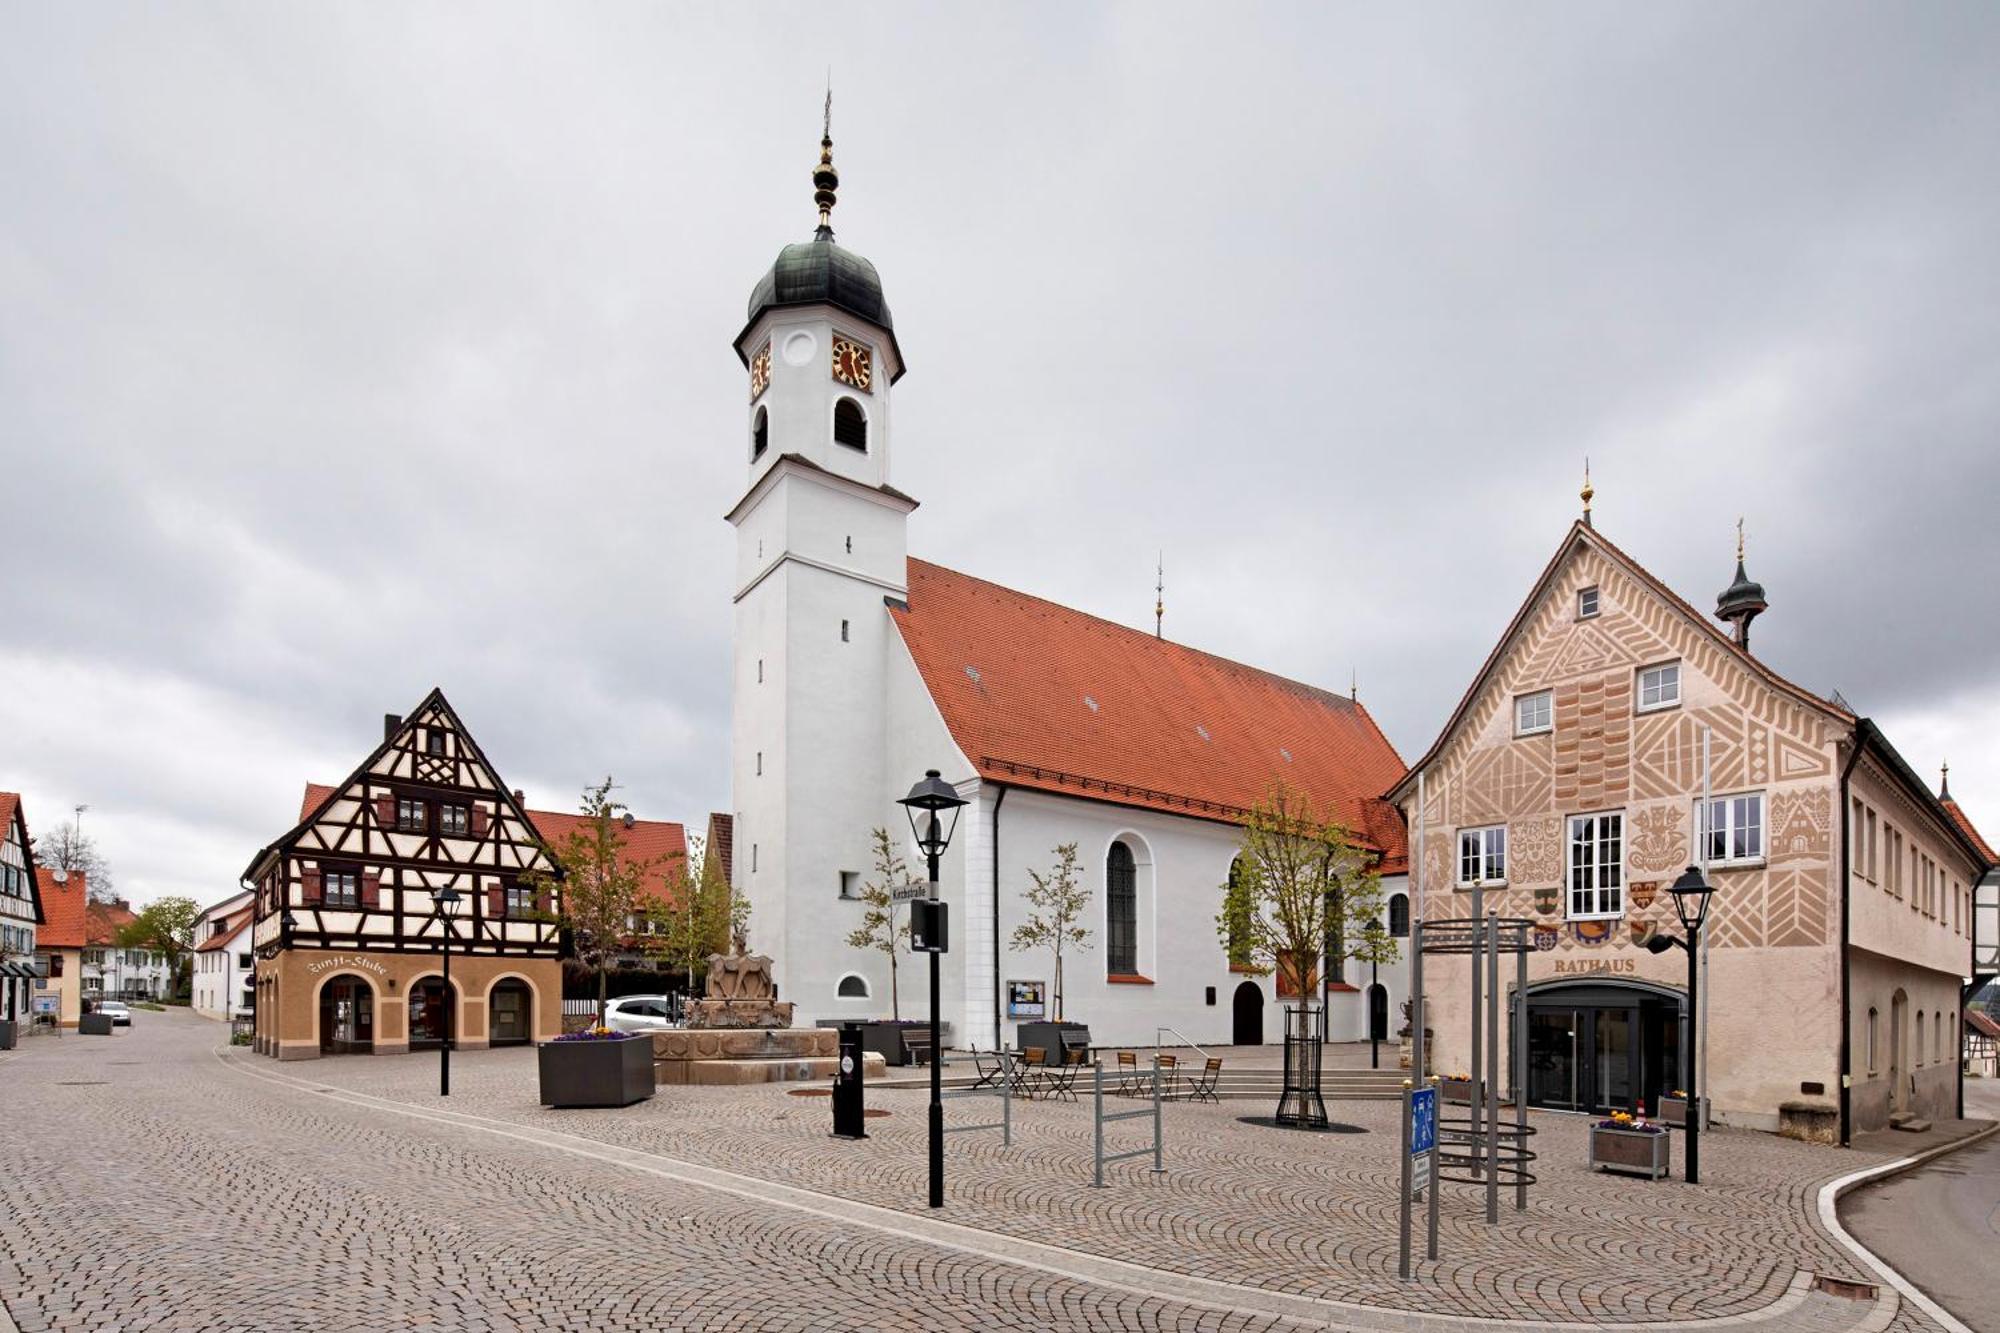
<point x="349" y="350"/>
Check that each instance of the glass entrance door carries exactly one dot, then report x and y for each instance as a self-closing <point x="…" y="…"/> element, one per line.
<point x="1552" y="1058"/>
<point x="1614" y="1052"/>
<point x="346" y="1016"/>
<point x="1593" y="1057"/>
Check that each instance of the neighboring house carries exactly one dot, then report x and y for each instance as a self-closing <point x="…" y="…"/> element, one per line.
<point x="348" y="932"/>
<point x="1982" y="1043"/>
<point x="21" y="912"/>
<point x="1571" y="782"/>
<point x="224" y="970"/>
<point x="114" y="971"/>
<point x="858" y="668"/>
<point x="61" y="944"/>
<point x="717" y="847"/>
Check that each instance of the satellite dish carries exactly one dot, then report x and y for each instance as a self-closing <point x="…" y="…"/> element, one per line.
<point x="630" y="819"/>
<point x="59" y="875"/>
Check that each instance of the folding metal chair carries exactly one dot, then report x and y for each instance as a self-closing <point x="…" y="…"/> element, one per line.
<point x="1202" y="1089"/>
<point x="1128" y="1084"/>
<point x="1029" y="1071"/>
<point x="1170" y="1073"/>
<point x="990" y="1067"/>
<point x="1062" y="1082"/>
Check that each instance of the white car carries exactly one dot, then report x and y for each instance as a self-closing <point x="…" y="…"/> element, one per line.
<point x="640" y="1013"/>
<point x="121" y="1017"/>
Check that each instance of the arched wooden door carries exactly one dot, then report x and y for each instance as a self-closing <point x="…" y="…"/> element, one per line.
<point x="1378" y="1012"/>
<point x="1248" y="1012"/>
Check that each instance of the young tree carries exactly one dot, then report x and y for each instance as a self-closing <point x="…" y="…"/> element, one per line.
<point x="1056" y="902"/>
<point x="165" y="926"/>
<point x="68" y="847"/>
<point x="878" y="928"/>
<point x="599" y="888"/>
<point x="695" y="921"/>
<point x="1301" y="891"/>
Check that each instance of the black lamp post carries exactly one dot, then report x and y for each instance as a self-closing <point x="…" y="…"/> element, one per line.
<point x="1374" y="980"/>
<point x="925" y="803"/>
<point x="445" y="900"/>
<point x="1691" y="894"/>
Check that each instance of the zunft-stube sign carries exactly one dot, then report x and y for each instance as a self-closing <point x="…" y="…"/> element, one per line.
<point x="344" y="961"/>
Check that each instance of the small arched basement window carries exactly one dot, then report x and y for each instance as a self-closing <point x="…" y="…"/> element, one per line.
<point x="760" y="435"/>
<point x="850" y="425"/>
<point x="853" y="986"/>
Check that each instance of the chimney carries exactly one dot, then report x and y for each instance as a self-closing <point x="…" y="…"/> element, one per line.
<point x="391" y="724"/>
<point x="519" y="798"/>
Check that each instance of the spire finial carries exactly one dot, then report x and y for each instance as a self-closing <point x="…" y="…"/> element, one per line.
<point x="1587" y="492"/>
<point x="1159" y="595"/>
<point x="825" y="179"/>
<point x="1944" y="781"/>
<point x="1739" y="539"/>
<point x="1354" y="683"/>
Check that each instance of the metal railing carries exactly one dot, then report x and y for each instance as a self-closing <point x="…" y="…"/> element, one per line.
<point x="1100" y="1120"/>
<point x="1005" y="1092"/>
<point x="1157" y="1043"/>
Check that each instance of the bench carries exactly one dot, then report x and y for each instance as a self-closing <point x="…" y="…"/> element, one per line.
<point x="917" y="1041"/>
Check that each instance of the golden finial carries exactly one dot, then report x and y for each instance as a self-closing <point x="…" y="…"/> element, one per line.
<point x="1159" y="595"/>
<point x="825" y="179"/>
<point x="1739" y="540"/>
<point x="1587" y="492"/>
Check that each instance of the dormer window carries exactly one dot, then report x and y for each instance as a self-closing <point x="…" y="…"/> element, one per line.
<point x="760" y="434"/>
<point x="850" y="425"/>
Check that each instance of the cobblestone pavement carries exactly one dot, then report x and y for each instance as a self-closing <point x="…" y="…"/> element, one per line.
<point x="166" y="1184"/>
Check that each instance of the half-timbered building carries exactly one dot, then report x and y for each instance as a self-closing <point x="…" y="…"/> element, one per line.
<point x="353" y="906"/>
<point x="20" y="911"/>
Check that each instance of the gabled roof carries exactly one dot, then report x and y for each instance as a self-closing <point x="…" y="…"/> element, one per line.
<point x="721" y="843"/>
<point x="232" y="925"/>
<point x="103" y="921"/>
<point x="1581" y="532"/>
<point x="12" y="811"/>
<point x="64" y="905"/>
<point x="654" y="840"/>
<point x="1964" y="823"/>
<point x="1981" y="1022"/>
<point x="1042" y="696"/>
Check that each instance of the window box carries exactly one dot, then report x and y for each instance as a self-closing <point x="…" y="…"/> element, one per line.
<point x="1631" y="1152"/>
<point x="605" y="1071"/>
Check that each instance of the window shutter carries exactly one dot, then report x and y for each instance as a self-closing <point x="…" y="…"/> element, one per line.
<point x="385" y="811"/>
<point x="478" y="821"/>
<point x="371" y="888"/>
<point x="311" y="882"/>
<point x="496" y="901"/>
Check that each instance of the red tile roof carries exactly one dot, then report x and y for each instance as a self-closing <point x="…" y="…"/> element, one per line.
<point x="220" y="939"/>
<point x="655" y="840"/>
<point x="65" y="906"/>
<point x="722" y="841"/>
<point x="10" y="801"/>
<point x="1964" y="823"/>
<point x="106" y="920"/>
<point x="1043" y="696"/>
<point x="1981" y="1022"/>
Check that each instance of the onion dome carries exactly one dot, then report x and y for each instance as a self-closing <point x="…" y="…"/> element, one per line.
<point x="1743" y="600"/>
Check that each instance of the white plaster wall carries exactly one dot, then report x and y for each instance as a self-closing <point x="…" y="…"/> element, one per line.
<point x="1900" y="927"/>
<point x="1928" y="1088"/>
<point x="800" y="398"/>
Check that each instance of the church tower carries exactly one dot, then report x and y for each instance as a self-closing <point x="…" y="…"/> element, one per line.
<point x="820" y="543"/>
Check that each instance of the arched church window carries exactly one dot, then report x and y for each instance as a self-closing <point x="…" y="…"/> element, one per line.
<point x="853" y="986"/>
<point x="1240" y="909"/>
<point x="850" y="425"/>
<point x="1399" y="915"/>
<point x="760" y="435"/>
<point x="1121" y="911"/>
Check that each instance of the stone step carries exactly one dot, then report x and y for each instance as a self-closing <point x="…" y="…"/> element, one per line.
<point x="1909" y="1125"/>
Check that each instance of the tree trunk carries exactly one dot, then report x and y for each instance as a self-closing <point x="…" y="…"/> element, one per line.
<point x="1059" y="1012"/>
<point x="603" y="984"/>
<point x="895" y="1002"/>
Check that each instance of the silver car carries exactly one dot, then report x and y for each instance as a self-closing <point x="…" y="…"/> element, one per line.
<point x="121" y="1017"/>
<point x="641" y="1013"/>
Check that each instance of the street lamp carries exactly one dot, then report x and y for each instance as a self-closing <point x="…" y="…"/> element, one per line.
<point x="925" y="803"/>
<point x="1375" y="980"/>
<point x="1691" y="894"/>
<point x="444" y="900"/>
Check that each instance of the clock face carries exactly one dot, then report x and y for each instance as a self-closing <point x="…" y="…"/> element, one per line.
<point x="760" y="371"/>
<point x="851" y="364"/>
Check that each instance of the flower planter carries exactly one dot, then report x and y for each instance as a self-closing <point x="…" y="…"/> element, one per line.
<point x="1674" y="1110"/>
<point x="6" y="1034"/>
<point x="1632" y="1152"/>
<point x="1457" y="1091"/>
<point x="611" y="1071"/>
<point x="94" y="1025"/>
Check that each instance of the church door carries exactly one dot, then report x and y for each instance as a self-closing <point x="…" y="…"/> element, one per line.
<point x="1249" y="1015"/>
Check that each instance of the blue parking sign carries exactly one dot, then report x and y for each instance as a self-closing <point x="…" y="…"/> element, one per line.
<point x="1423" y="1121"/>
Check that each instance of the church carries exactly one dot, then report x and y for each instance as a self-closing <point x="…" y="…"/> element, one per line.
<point x="858" y="667"/>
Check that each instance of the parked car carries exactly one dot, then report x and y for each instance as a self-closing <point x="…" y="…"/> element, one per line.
<point x="121" y="1017"/>
<point x="640" y="1013"/>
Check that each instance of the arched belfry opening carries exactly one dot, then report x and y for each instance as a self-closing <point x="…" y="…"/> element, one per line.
<point x="850" y="425"/>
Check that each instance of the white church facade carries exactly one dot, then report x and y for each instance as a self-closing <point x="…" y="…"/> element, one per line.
<point x="857" y="668"/>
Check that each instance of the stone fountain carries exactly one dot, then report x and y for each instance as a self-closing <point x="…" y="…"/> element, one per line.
<point x="741" y="1032"/>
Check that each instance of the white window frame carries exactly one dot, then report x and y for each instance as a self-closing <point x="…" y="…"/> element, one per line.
<point x="1731" y="808"/>
<point x="1639" y="703"/>
<point x="1547" y="726"/>
<point x="1491" y="847"/>
<point x="1596" y="602"/>
<point x="1605" y="879"/>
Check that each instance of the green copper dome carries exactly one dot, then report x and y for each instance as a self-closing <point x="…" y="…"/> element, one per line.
<point x="820" y="271"/>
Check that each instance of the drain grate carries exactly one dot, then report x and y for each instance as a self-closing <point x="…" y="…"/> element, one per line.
<point x="82" y="1083"/>
<point x="1840" y="1286"/>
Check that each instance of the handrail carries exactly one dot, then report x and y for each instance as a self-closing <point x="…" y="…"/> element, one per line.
<point x="1157" y="1043"/>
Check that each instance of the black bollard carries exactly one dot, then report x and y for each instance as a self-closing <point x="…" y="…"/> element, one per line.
<point x="849" y="1113"/>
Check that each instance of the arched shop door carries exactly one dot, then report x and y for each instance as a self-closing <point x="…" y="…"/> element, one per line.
<point x="346" y="1017"/>
<point x="1248" y="1006"/>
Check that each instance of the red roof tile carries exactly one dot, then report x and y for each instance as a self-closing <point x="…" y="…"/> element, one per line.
<point x="722" y="841"/>
<point x="1043" y="696"/>
<point x="1964" y="823"/>
<point x="1981" y="1022"/>
<point x="648" y="839"/>
<point x="65" y="906"/>
<point x="106" y="920"/>
<point x="232" y="923"/>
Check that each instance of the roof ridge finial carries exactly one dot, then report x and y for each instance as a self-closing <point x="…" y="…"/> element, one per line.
<point x="825" y="179"/>
<point x="1159" y="595"/>
<point x="1739" y="539"/>
<point x="1587" y="492"/>
<point x="1353" y="684"/>
<point x="1944" y="781"/>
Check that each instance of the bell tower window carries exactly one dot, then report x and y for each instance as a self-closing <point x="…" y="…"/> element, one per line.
<point x="760" y="434"/>
<point x="850" y="425"/>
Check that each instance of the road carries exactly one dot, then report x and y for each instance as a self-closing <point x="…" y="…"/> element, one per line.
<point x="1940" y="1226"/>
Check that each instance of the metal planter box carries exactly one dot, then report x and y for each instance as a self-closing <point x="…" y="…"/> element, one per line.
<point x="1457" y="1091"/>
<point x="609" y="1072"/>
<point x="1630" y="1152"/>
<point x="1674" y="1110"/>
<point x="94" y="1025"/>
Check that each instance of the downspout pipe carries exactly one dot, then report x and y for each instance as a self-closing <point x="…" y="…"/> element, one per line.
<point x="1861" y="726"/>
<point x="999" y="799"/>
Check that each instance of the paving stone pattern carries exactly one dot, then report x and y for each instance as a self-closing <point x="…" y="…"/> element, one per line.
<point x="172" y="1185"/>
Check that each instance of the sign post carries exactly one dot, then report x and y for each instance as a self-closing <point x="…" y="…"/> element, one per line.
<point x="1419" y="1162"/>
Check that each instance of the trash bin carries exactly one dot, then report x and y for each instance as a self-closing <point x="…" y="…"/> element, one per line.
<point x="849" y="1111"/>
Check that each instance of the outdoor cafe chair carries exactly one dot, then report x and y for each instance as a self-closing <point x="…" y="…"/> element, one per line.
<point x="1170" y="1073"/>
<point x="1062" y="1081"/>
<point x="1029" y="1071"/>
<point x="1202" y="1089"/>
<point x="1128" y="1084"/>
<point x="990" y="1064"/>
